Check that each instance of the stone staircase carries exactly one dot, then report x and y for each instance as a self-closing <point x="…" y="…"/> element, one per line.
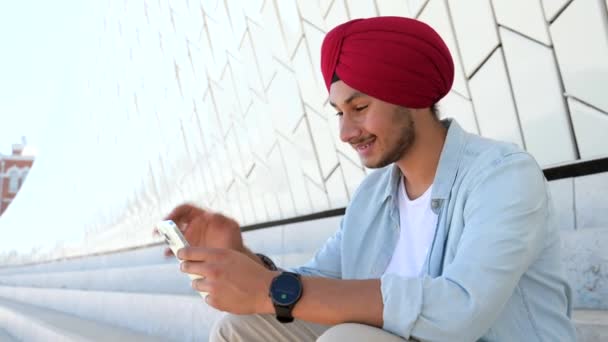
<point x="36" y="323"/>
<point x="139" y="294"/>
<point x="591" y="325"/>
<point x="586" y="262"/>
<point x="132" y="295"/>
<point x="103" y="299"/>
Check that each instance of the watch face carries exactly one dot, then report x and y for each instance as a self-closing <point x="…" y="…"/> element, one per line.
<point x="286" y="289"/>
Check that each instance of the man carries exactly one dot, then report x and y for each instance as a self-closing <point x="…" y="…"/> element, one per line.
<point x="452" y="239"/>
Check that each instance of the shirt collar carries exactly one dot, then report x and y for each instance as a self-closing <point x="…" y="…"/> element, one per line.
<point x="447" y="167"/>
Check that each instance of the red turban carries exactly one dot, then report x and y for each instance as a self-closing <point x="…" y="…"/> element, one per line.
<point x="398" y="60"/>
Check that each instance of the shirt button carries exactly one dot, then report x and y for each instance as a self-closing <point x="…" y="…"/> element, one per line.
<point x="435" y="204"/>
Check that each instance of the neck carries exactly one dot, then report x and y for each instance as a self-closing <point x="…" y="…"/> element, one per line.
<point x="419" y="164"/>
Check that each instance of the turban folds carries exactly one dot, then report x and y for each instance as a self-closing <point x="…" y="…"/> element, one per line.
<point x="398" y="60"/>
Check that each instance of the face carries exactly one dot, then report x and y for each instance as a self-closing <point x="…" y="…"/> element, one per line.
<point x="380" y="132"/>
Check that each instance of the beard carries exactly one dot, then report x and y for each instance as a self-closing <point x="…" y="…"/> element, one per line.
<point x="400" y="140"/>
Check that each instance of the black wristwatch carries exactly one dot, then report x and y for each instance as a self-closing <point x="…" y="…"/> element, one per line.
<point x="285" y="291"/>
<point x="267" y="262"/>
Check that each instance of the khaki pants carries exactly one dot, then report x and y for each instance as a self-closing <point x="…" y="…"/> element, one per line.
<point x="249" y="328"/>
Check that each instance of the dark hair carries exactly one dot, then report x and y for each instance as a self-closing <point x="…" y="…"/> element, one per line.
<point x="435" y="110"/>
<point x="335" y="78"/>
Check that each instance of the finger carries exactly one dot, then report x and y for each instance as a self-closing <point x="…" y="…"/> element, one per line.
<point x="201" y="222"/>
<point x="187" y="215"/>
<point x="202" y="285"/>
<point x="201" y="254"/>
<point x="182" y="212"/>
<point x="168" y="252"/>
<point x="211" y="301"/>
<point x="202" y="269"/>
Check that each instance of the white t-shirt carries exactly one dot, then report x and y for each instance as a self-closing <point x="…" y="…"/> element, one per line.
<point x="418" y="223"/>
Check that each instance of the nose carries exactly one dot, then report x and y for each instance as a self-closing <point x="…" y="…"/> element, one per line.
<point x="349" y="130"/>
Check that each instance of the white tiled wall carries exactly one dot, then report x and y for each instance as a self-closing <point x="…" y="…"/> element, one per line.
<point x="590" y="127"/>
<point x="590" y="198"/>
<point x="436" y="14"/>
<point x="553" y="7"/>
<point x="491" y="94"/>
<point x="538" y="95"/>
<point x="530" y="22"/>
<point x="225" y="103"/>
<point x="475" y="30"/>
<point x="562" y="195"/>
<point x="580" y="35"/>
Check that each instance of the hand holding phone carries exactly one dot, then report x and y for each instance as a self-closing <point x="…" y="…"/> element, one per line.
<point x="176" y="241"/>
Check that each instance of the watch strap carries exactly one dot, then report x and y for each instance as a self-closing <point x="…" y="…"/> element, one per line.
<point x="284" y="313"/>
<point x="268" y="263"/>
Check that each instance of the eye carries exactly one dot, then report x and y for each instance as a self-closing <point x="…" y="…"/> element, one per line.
<point x="358" y="109"/>
<point x="339" y="114"/>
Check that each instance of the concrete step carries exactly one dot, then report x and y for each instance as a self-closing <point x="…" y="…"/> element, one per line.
<point x="160" y="278"/>
<point x="172" y="317"/>
<point x="188" y="318"/>
<point x="6" y="337"/>
<point x="275" y="241"/>
<point x="129" y="258"/>
<point x="31" y="323"/>
<point x="138" y="257"/>
<point x="591" y="325"/>
<point x="271" y="241"/>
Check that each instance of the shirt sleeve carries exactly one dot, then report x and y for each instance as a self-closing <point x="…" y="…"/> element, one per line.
<point x="505" y="220"/>
<point x="327" y="261"/>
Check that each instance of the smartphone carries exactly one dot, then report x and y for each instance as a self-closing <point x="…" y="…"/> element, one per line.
<point x="176" y="241"/>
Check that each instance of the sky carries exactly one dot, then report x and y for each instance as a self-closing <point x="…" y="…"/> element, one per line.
<point x="58" y="73"/>
<point x="39" y="50"/>
<point x="46" y="48"/>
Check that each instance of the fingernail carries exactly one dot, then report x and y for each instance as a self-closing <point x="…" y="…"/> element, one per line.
<point x="182" y="266"/>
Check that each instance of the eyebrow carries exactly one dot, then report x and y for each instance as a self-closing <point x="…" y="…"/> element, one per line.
<point x="349" y="99"/>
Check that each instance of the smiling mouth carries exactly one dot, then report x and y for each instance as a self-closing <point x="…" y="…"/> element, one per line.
<point x="365" y="146"/>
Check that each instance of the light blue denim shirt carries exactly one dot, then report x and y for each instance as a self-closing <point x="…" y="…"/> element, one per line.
<point x="493" y="271"/>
